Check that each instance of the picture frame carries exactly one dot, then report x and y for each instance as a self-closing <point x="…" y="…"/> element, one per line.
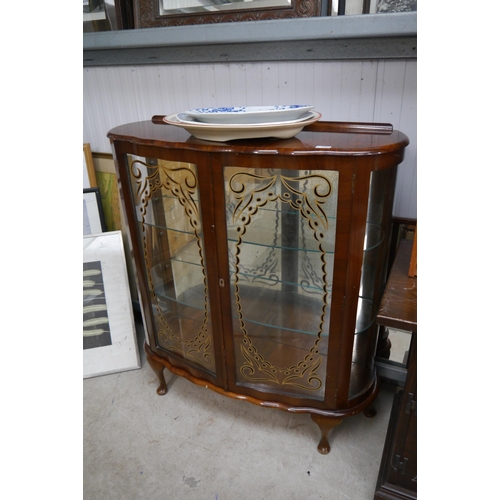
<point x="388" y="6"/>
<point x="109" y="334"/>
<point x="93" y="212"/>
<point x="89" y="177"/>
<point x="157" y="13"/>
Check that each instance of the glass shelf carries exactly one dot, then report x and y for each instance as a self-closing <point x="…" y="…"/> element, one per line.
<point x="277" y="229"/>
<point x="179" y="310"/>
<point x="193" y="297"/>
<point x="290" y="312"/>
<point x="272" y="266"/>
<point x="374" y="237"/>
<point x="307" y="249"/>
<point x="273" y="212"/>
<point x="278" y="334"/>
<point x="254" y="277"/>
<point x="166" y="197"/>
<point x="174" y="230"/>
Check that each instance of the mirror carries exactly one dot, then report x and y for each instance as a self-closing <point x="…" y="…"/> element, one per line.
<point x="157" y="13"/>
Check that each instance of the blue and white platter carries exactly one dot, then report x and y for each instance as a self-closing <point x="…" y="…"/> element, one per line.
<point x="249" y="114"/>
<point x="222" y="132"/>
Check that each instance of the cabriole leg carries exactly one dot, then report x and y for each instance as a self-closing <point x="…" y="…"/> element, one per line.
<point x="370" y="412"/>
<point x="325" y="424"/>
<point x="158" y="368"/>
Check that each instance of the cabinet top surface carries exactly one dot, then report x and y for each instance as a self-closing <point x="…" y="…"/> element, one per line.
<point x="337" y="138"/>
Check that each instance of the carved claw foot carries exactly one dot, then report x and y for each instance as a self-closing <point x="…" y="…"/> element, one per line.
<point x="158" y="368"/>
<point x="325" y="424"/>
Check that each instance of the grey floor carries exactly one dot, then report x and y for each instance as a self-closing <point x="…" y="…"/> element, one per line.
<point x="195" y="444"/>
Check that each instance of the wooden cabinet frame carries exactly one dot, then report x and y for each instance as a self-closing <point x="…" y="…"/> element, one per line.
<point x="356" y="154"/>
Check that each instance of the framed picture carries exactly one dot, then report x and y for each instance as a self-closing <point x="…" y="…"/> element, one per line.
<point x="159" y="13"/>
<point x="89" y="177"/>
<point x="387" y="6"/>
<point x="109" y="336"/>
<point x="93" y="213"/>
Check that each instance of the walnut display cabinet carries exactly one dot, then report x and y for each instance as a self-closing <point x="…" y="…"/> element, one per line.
<point x="261" y="263"/>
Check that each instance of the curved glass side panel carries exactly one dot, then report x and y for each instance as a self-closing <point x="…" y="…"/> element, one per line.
<point x="169" y="219"/>
<point x="281" y="239"/>
<point x="373" y="271"/>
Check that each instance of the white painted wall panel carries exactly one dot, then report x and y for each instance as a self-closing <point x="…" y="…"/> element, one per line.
<point x="382" y="91"/>
<point x="406" y="187"/>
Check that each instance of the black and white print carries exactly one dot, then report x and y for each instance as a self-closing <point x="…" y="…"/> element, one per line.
<point x="96" y="331"/>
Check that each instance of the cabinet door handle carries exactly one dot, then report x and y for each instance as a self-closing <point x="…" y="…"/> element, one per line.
<point x="221" y="283"/>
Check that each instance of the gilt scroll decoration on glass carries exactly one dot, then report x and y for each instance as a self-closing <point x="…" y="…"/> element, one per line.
<point x="179" y="183"/>
<point x="304" y="195"/>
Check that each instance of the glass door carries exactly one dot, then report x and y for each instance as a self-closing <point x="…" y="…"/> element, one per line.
<point x="281" y="228"/>
<point x="169" y="221"/>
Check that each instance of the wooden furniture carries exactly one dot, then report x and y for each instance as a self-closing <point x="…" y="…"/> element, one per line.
<point x="261" y="263"/>
<point x="412" y="271"/>
<point x="398" y="471"/>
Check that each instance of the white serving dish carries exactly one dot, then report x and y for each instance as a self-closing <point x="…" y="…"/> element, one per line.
<point x="183" y="117"/>
<point x="228" y="132"/>
<point x="249" y="114"/>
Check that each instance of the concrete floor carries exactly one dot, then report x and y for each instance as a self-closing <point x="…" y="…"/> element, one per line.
<point x="195" y="444"/>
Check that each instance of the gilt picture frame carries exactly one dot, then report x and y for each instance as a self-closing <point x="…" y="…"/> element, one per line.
<point x="109" y="334"/>
<point x="89" y="177"/>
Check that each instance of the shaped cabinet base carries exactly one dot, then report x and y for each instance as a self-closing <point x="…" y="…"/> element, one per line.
<point x="325" y="420"/>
